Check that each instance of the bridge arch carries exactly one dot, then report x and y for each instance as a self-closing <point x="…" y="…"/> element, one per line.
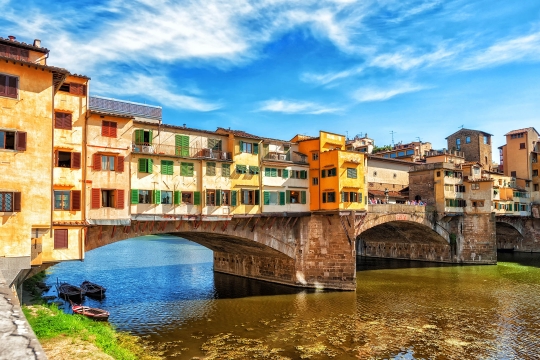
<point x="509" y="233"/>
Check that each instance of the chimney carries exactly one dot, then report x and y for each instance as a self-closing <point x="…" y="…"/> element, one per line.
<point x="37" y="43"/>
<point x="11" y="38"/>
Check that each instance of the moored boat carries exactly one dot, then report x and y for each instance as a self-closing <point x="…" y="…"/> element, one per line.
<point x="93" y="290"/>
<point x="68" y="291"/>
<point x="93" y="313"/>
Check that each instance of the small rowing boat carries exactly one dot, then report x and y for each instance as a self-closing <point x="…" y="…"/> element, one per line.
<point x="93" y="313"/>
<point x="68" y="291"/>
<point x="93" y="290"/>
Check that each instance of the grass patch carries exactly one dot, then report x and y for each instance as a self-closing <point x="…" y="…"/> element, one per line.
<point x="48" y="322"/>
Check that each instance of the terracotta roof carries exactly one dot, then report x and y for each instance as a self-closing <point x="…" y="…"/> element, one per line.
<point x="463" y="129"/>
<point x="39" y="66"/>
<point x="178" y="127"/>
<point x="239" y="133"/>
<point x="23" y="45"/>
<point x="519" y="131"/>
<point x="376" y="157"/>
<point x="81" y="76"/>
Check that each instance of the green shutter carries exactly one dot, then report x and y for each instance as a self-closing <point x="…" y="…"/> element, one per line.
<point x="139" y="136"/>
<point x="150" y="165"/>
<point x="177" y="197"/>
<point x="303" y="174"/>
<point x="285" y="173"/>
<point x="134" y="196"/>
<point x="359" y="197"/>
<point x="150" y="136"/>
<point x="288" y="197"/>
<point x="190" y="169"/>
<point x="255" y="149"/>
<point x="267" y="171"/>
<point x="183" y="169"/>
<point x="233" y="197"/>
<point x="241" y="146"/>
<point x="177" y="144"/>
<point x="323" y="173"/>
<point x="225" y="170"/>
<point x="157" y="196"/>
<point x="257" y="197"/>
<point x="266" y="196"/>
<point x="185" y="145"/>
<point x="197" y="198"/>
<point x="281" y="198"/>
<point x="303" y="197"/>
<point x="273" y="172"/>
<point x="142" y="165"/>
<point x="218" y="197"/>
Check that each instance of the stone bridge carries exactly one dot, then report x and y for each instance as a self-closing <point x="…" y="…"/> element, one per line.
<point x="318" y="250"/>
<point x="518" y="233"/>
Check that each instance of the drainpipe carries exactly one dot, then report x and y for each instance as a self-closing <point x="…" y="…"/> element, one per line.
<point x="52" y="159"/>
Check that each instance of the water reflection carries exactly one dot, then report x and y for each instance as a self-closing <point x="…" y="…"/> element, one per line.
<point x="164" y="288"/>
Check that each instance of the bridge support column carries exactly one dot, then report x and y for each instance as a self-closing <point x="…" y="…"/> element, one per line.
<point x="477" y="241"/>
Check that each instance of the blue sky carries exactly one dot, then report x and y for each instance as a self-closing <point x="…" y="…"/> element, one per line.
<point x="277" y="68"/>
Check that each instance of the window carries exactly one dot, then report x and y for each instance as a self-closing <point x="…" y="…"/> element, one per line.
<point x="62" y="200"/>
<point x="146" y="165"/>
<point x="9" y="86"/>
<point x="60" y="238"/>
<point x="517" y="136"/>
<point x="458" y="144"/>
<point x="512" y="173"/>
<point x="455" y="203"/>
<point x="527" y="183"/>
<point x="478" y="203"/>
<point x="246" y="147"/>
<point x="249" y="197"/>
<point x="241" y="169"/>
<point x="294" y="197"/>
<point x="271" y="198"/>
<point x="107" y="163"/>
<point x="225" y="196"/>
<point x="143" y="137"/>
<point x="350" y="196"/>
<point x="410" y="152"/>
<point x="186" y="169"/>
<point x="352" y="173"/>
<point x="73" y="88"/>
<point x="486" y="139"/>
<point x="108" y="129"/>
<point x="535" y="173"/>
<point x="315" y="156"/>
<point x="315" y="181"/>
<point x="328" y="197"/>
<point x="476" y="171"/>
<point x="145" y="197"/>
<point x="475" y="186"/>
<point x="210" y="169"/>
<point x="270" y="172"/>
<point x="68" y="159"/>
<point x="187" y="197"/>
<point x="460" y="188"/>
<point x="438" y="174"/>
<point x="226" y="170"/>
<point x="62" y="120"/>
<point x="332" y="172"/>
<point x="107" y="198"/>
<point x="253" y="170"/>
<point x="210" y="197"/>
<point x="401" y="153"/>
<point x="214" y="144"/>
<point x="10" y="201"/>
<point x="467" y="140"/>
<point x="522" y="146"/>
<point x="167" y="197"/>
<point x="393" y="155"/>
<point x="181" y="143"/>
<point x="535" y="187"/>
<point x="13" y="140"/>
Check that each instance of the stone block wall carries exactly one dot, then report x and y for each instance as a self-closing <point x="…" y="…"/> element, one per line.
<point x="476" y="240"/>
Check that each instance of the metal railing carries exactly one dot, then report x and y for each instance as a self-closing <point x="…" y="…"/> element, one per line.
<point x="116" y="106"/>
<point x="181" y="151"/>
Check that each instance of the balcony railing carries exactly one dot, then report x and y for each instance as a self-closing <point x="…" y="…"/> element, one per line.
<point x="14" y="52"/>
<point x="99" y="103"/>
<point x="181" y="151"/>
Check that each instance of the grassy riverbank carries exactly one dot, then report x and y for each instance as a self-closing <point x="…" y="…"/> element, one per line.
<point x="66" y="336"/>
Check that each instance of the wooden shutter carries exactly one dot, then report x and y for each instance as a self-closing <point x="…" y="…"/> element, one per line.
<point x="134" y="196"/>
<point x="281" y="198"/>
<point x="142" y="165"/>
<point x="60" y="238"/>
<point x="177" y="144"/>
<point x="218" y="197"/>
<point x="105" y="128"/>
<point x="266" y="196"/>
<point x="16" y="202"/>
<point x="120" y="198"/>
<point x="285" y="173"/>
<point x="303" y="197"/>
<point x="150" y="137"/>
<point x="156" y="197"/>
<point x="76" y="89"/>
<point x="255" y="148"/>
<point x="76" y="200"/>
<point x="96" y="199"/>
<point x="177" y="197"/>
<point x="234" y="197"/>
<point x="241" y="146"/>
<point x="120" y="164"/>
<point x="3" y="81"/>
<point x="185" y="145"/>
<point x="68" y="122"/>
<point x="266" y="171"/>
<point x="257" y="197"/>
<point x="150" y="165"/>
<point x="323" y="173"/>
<point x="288" y="197"/>
<point x="96" y="158"/>
<point x="359" y="197"/>
<point x="139" y="136"/>
<point x="112" y="129"/>
<point x="21" y="141"/>
<point x="303" y="174"/>
<point x="197" y="198"/>
<point x="58" y="120"/>
<point x="273" y="172"/>
<point x="75" y="160"/>
<point x="12" y="87"/>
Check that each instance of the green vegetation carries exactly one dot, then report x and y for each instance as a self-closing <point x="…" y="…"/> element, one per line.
<point x="50" y="324"/>
<point x="377" y="149"/>
<point x="31" y="285"/>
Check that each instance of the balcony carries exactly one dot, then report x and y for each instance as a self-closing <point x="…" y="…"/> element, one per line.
<point x="181" y="151"/>
<point x="121" y="107"/>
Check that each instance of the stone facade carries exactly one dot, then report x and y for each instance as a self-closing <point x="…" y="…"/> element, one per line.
<point x="472" y="144"/>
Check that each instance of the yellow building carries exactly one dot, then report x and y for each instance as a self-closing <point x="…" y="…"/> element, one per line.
<point x="246" y="180"/>
<point x="337" y="176"/>
<point x="27" y="87"/>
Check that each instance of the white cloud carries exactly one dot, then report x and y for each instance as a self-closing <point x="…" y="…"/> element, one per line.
<point x="405" y="60"/>
<point x="381" y="94"/>
<point x="521" y="48"/>
<point x="296" y="107"/>
<point x="323" y="79"/>
<point x="156" y="88"/>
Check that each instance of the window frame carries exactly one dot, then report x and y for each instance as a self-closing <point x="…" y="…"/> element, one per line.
<point x="62" y="193"/>
<point x="162" y="196"/>
<point x="7" y="86"/>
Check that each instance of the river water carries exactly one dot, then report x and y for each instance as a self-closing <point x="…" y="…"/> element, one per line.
<point x="163" y="289"/>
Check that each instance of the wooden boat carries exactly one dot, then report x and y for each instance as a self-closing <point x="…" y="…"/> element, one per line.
<point x="68" y="291"/>
<point x="93" y="290"/>
<point x="93" y="313"/>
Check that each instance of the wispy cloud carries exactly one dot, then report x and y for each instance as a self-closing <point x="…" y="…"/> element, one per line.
<point x="407" y="60"/>
<point x="323" y="79"/>
<point x="157" y="89"/>
<point x="296" y="107"/>
<point x="525" y="47"/>
<point x="381" y="94"/>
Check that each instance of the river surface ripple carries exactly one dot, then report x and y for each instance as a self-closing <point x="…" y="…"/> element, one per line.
<point x="163" y="288"/>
